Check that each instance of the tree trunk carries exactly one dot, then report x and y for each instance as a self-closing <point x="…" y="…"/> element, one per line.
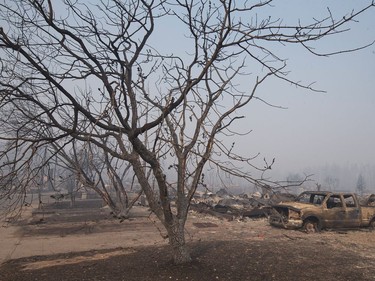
<point x="174" y="224"/>
<point x="176" y="234"/>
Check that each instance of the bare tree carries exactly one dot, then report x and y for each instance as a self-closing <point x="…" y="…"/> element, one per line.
<point x="93" y="169"/>
<point x="361" y="185"/>
<point x="331" y="183"/>
<point x="93" y="71"/>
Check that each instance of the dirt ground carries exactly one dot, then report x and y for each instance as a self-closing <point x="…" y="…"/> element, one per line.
<point x="85" y="243"/>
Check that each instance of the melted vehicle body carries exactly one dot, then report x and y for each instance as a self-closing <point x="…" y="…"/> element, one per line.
<point x="315" y="210"/>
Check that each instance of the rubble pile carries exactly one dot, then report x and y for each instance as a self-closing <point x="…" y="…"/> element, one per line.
<point x="225" y="205"/>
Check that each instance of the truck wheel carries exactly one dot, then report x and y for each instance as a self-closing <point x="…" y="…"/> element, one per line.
<point x="311" y="226"/>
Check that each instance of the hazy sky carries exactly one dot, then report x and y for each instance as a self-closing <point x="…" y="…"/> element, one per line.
<point x="316" y="129"/>
<point x="336" y="127"/>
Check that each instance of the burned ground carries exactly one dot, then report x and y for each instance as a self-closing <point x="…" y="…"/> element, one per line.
<point x="88" y="244"/>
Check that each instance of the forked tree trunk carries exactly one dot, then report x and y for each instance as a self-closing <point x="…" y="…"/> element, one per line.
<point x="176" y="234"/>
<point x="174" y="224"/>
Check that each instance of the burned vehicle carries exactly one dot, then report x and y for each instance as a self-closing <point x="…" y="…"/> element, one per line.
<point x="316" y="210"/>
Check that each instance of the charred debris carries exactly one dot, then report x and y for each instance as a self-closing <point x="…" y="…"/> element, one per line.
<point x="225" y="205"/>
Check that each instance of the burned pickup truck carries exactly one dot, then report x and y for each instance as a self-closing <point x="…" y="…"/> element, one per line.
<point x="316" y="210"/>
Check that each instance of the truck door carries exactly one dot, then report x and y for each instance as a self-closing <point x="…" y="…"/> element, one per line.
<point x="353" y="212"/>
<point x="334" y="214"/>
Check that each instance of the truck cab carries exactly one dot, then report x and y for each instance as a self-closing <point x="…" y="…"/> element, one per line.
<point x="341" y="210"/>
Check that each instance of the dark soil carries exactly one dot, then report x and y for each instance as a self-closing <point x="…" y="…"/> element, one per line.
<point x="220" y="251"/>
<point x="215" y="260"/>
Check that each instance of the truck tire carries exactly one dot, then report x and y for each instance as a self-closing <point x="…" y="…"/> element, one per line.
<point x="311" y="226"/>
